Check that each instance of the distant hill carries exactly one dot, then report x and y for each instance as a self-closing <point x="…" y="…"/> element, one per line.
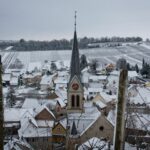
<point x="23" y="45"/>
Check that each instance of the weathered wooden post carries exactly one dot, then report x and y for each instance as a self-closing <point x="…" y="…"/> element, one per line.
<point x="121" y="105"/>
<point x="1" y="109"/>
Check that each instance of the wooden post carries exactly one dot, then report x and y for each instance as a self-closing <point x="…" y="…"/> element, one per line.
<point x="121" y="104"/>
<point x="1" y="109"/>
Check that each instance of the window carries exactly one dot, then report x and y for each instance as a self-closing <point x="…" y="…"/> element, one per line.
<point x="78" y="100"/>
<point x="73" y="101"/>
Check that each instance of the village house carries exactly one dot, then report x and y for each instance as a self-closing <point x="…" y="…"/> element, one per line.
<point x="16" y="144"/>
<point x="138" y="99"/>
<point x="12" y="118"/>
<point x="31" y="79"/>
<point x="36" y="127"/>
<point x="47" y="82"/>
<point x="6" y="79"/>
<point x="104" y="102"/>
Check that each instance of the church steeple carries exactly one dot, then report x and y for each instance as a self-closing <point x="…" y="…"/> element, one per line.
<point x="75" y="61"/>
<point x="75" y="89"/>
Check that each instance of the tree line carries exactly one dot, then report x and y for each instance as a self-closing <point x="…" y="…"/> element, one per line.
<point x="63" y="44"/>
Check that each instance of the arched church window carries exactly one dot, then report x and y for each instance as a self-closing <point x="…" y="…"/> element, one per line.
<point x="78" y="100"/>
<point x="73" y="101"/>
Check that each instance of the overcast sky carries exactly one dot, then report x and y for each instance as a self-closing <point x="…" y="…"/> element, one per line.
<point x="54" y="19"/>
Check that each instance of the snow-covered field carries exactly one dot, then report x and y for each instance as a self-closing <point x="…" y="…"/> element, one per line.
<point x="134" y="54"/>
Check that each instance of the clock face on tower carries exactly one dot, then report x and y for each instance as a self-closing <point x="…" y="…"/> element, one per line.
<point x="75" y="86"/>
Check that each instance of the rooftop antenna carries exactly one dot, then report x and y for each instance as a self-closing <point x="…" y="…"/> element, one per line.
<point x="75" y="18"/>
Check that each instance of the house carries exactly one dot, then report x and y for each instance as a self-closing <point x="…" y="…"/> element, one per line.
<point x="139" y="99"/>
<point x="60" y="82"/>
<point x="59" y="132"/>
<point x="137" y="126"/>
<point x="17" y="144"/>
<point x="30" y="103"/>
<point x="132" y="77"/>
<point x="47" y="82"/>
<point x="6" y="79"/>
<point x="110" y="67"/>
<point x="104" y="102"/>
<point x="31" y="79"/>
<point x="36" y="127"/>
<point x="92" y="92"/>
<point x="12" y="118"/>
<point x="14" y="82"/>
<point x="60" y="108"/>
<point x="98" y="79"/>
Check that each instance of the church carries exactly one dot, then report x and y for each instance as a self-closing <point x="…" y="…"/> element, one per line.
<point x="84" y="120"/>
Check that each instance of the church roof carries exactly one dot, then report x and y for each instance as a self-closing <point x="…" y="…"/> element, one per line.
<point x="83" y="121"/>
<point x="74" y="129"/>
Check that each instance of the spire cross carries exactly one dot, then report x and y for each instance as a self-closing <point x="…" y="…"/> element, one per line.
<point x="75" y="17"/>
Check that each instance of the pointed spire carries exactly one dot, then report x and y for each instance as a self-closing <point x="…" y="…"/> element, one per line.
<point x="75" y="17"/>
<point x="75" y="61"/>
<point x="74" y="129"/>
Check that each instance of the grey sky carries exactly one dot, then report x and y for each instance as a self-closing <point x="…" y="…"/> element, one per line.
<point x="48" y="19"/>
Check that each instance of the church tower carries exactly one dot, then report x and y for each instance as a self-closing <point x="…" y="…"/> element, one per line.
<point x="75" y="88"/>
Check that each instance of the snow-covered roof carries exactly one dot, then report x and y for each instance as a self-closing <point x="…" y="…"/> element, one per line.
<point x="6" y="77"/>
<point x="143" y="96"/>
<point x="96" y="78"/>
<point x="112" y="117"/>
<point x="30" y="103"/>
<point x="63" y="73"/>
<point x="31" y="75"/>
<point x="61" y="93"/>
<point x="139" y="121"/>
<point x="5" y="91"/>
<point x="13" y="114"/>
<point x="32" y="128"/>
<point x="61" y="80"/>
<point x="134" y="120"/>
<point x="59" y="64"/>
<point x="41" y="108"/>
<point x="14" y="81"/>
<point x="84" y="120"/>
<point x="46" y="66"/>
<point x="100" y="104"/>
<point x="132" y="74"/>
<point x="115" y="73"/>
<point x="90" y="89"/>
<point x="46" y="80"/>
<point x="34" y="66"/>
<point x="61" y="102"/>
<point x="31" y="131"/>
<point x="108" y="97"/>
<point x="17" y="144"/>
<point x="85" y="76"/>
<point x="94" y="144"/>
<point x="24" y="90"/>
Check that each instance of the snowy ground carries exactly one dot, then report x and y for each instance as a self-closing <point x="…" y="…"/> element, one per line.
<point x="133" y="53"/>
